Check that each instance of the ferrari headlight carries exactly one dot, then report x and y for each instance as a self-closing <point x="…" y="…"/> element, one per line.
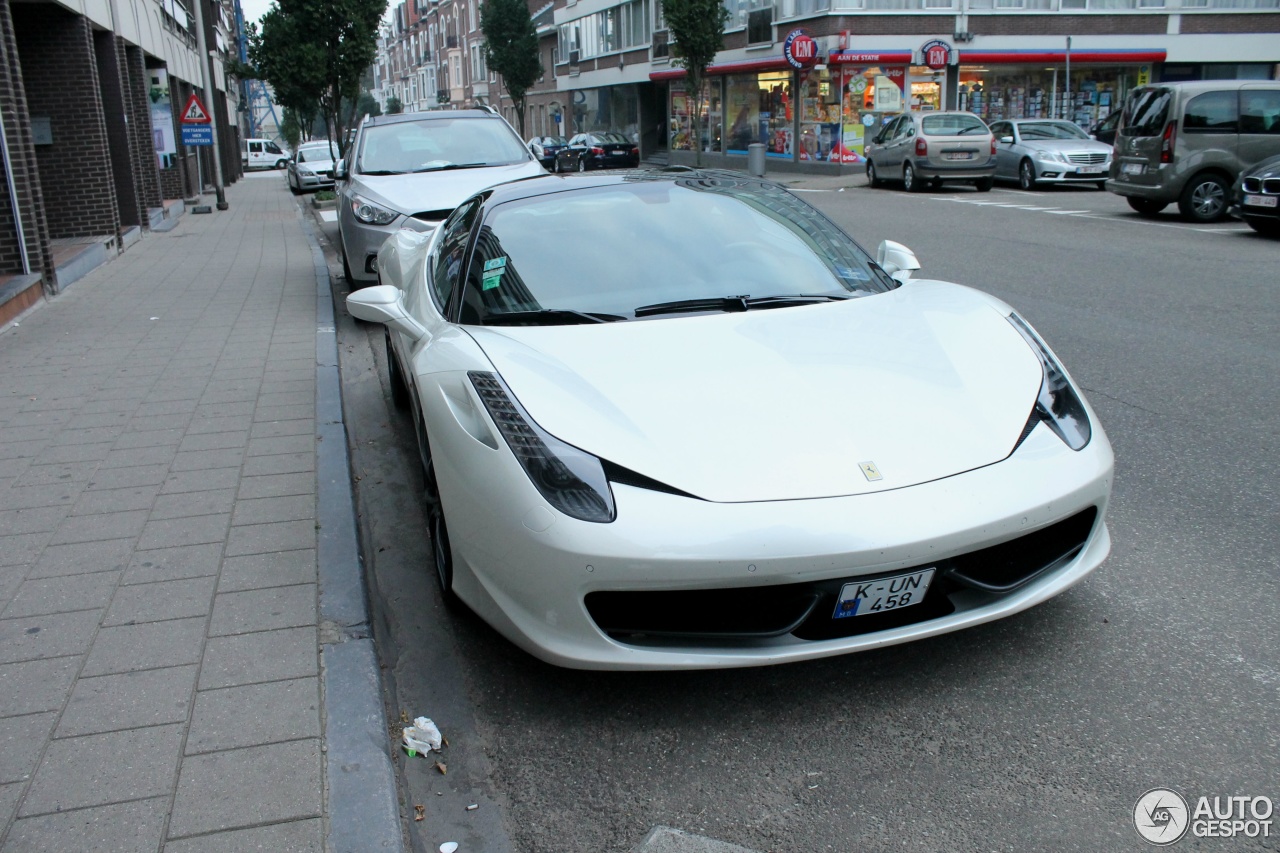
<point x="572" y="480"/>
<point x="367" y="211"/>
<point x="1058" y="405"/>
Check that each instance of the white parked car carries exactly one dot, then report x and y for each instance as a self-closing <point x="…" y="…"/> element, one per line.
<point x="311" y="167"/>
<point x="683" y="420"/>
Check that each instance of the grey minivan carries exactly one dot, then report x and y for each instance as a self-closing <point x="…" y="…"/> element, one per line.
<point x="1187" y="143"/>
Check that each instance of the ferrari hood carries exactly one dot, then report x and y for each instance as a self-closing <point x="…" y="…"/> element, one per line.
<point x="871" y="394"/>
<point x="441" y="190"/>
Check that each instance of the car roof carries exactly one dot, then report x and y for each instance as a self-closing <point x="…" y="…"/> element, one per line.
<point x="549" y="184"/>
<point x="427" y="115"/>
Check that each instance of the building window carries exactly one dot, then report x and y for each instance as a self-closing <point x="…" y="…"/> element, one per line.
<point x="760" y="26"/>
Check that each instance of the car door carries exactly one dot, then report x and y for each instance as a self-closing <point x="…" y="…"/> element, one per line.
<point x="1259" y="123"/>
<point x="255" y="154"/>
<point x="896" y="147"/>
<point x="881" y="152"/>
<point x="1007" y="156"/>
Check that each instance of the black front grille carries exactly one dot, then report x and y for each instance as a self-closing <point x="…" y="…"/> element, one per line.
<point x="1252" y="185"/>
<point x="1271" y="186"/>
<point x="806" y="610"/>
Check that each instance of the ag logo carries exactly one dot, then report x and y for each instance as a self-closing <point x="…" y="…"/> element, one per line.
<point x="1161" y="817"/>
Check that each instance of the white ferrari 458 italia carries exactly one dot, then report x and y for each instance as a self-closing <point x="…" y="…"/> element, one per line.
<point x="679" y="420"/>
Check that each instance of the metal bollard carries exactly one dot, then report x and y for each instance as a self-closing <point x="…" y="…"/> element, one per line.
<point x="755" y="159"/>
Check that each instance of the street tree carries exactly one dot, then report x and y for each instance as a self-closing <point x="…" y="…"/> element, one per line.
<point x="511" y="49"/>
<point x="697" y="30"/>
<point x="314" y="53"/>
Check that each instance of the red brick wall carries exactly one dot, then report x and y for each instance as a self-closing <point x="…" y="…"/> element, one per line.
<point x="25" y="175"/>
<point x="1230" y="23"/>
<point x="142" y="145"/>
<point x="59" y="74"/>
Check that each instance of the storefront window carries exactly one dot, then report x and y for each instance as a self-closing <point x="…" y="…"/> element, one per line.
<point x="871" y="97"/>
<point x="926" y="88"/>
<point x="682" y="116"/>
<point x="1019" y="91"/>
<point x="760" y="110"/>
<point x="820" y="116"/>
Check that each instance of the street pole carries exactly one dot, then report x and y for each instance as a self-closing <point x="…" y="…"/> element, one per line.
<point x="1068" y="86"/>
<point x="211" y="105"/>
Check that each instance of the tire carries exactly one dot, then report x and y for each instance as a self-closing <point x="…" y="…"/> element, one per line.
<point x="873" y="180"/>
<point x="1102" y="185"/>
<point x="437" y="527"/>
<point x="555" y="167"/>
<point x="984" y="185"/>
<point x="1146" y="207"/>
<point x="1204" y="199"/>
<point x="1027" y="175"/>
<point x="346" y="269"/>
<point x="280" y="164"/>
<point x="909" y="181"/>
<point x="582" y="165"/>
<point x="399" y="388"/>
<point x="1265" y="227"/>
<point x="293" y="189"/>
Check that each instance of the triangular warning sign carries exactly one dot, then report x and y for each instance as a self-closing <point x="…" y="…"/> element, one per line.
<point x="195" y="113"/>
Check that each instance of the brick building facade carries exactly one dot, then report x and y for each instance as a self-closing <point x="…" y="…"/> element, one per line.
<point x="91" y="147"/>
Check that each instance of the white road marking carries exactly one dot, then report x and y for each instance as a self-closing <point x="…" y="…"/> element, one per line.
<point x="328" y="215"/>
<point x="1097" y="214"/>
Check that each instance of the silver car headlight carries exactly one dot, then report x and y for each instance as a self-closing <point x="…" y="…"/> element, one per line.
<point x="374" y="214"/>
<point x="1057" y="405"/>
<point x="306" y="173"/>
<point x="572" y="480"/>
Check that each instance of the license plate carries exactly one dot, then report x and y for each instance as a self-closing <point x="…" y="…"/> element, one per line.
<point x="1261" y="200"/>
<point x="1133" y="168"/>
<point x="1090" y="170"/>
<point x="863" y="598"/>
<point x="617" y="153"/>
<point x="958" y="155"/>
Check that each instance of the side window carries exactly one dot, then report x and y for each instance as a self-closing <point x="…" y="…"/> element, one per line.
<point x="1260" y="111"/>
<point x="1001" y="128"/>
<point x="452" y="252"/>
<point x="255" y="147"/>
<point x="273" y="148"/>
<point x="1212" y="112"/>
<point x="889" y="130"/>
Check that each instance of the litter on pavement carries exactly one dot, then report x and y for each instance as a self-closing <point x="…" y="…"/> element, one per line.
<point x="422" y="737"/>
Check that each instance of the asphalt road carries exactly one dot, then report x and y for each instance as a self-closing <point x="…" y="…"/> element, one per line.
<point x="1035" y="733"/>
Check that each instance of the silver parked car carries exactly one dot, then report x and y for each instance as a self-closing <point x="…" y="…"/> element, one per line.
<point x="410" y="170"/>
<point x="311" y="167"/>
<point x="1049" y="151"/>
<point x="923" y="149"/>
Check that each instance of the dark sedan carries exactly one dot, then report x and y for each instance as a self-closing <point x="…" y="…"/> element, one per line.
<point x="545" y="148"/>
<point x="1257" y="197"/>
<point x="605" y="150"/>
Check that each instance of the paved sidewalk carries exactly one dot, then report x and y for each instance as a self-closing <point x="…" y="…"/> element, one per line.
<point x="160" y="652"/>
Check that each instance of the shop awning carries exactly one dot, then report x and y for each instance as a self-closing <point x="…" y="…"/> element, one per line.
<point x="1005" y="57"/>
<point x="871" y="57"/>
<point x="764" y="63"/>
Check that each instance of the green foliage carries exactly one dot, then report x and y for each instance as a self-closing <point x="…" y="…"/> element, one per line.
<point x="394" y="107"/>
<point x="291" y="129"/>
<point x="313" y="53"/>
<point x="697" y="28"/>
<point x="511" y="48"/>
<point x="325" y="195"/>
<point x="367" y="106"/>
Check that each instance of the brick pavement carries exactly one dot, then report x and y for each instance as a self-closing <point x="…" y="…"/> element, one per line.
<point x="160" y="680"/>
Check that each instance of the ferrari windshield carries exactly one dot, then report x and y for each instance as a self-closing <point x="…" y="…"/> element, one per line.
<point x="438" y="143"/>
<point x="647" y="247"/>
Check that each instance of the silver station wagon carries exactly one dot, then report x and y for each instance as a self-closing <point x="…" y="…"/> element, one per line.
<point x="923" y="149"/>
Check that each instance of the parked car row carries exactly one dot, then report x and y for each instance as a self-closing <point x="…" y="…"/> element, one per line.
<point x="597" y="150"/>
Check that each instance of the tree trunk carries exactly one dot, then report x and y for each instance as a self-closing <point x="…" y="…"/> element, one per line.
<point x="695" y="103"/>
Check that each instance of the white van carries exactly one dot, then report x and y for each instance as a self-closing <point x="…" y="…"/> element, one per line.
<point x="262" y="154"/>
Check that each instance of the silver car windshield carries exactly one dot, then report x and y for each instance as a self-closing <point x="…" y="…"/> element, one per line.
<point x="1050" y="130"/>
<point x="610" y="250"/>
<point x="436" y="144"/>
<point x="952" y="124"/>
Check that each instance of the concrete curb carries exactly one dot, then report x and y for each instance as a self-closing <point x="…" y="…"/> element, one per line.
<point x="362" y="800"/>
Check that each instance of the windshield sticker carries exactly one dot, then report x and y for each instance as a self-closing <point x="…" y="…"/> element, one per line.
<point x="491" y="280"/>
<point x="496" y="264"/>
<point x="851" y="274"/>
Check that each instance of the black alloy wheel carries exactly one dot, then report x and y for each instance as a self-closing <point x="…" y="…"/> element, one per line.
<point x="1204" y="199"/>
<point x="873" y="180"/>
<point x="909" y="182"/>
<point x="1146" y="207"/>
<point x="438" y="529"/>
<point x="399" y="388"/>
<point x="1027" y="175"/>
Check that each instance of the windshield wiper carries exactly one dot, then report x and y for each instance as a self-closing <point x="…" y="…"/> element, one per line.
<point x="549" y="317"/>
<point x="445" y="167"/>
<point x="382" y="172"/>
<point x="735" y="303"/>
<point x="962" y="131"/>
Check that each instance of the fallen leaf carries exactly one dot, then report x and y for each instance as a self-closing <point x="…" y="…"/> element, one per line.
<point x="419" y="812"/>
<point x="404" y="716"/>
<point x="440" y="765"/>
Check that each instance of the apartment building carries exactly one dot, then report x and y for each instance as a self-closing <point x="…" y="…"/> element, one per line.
<point x="811" y="79"/>
<point x="91" y="149"/>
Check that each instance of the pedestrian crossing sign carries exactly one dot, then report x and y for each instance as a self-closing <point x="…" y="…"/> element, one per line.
<point x="194" y="112"/>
